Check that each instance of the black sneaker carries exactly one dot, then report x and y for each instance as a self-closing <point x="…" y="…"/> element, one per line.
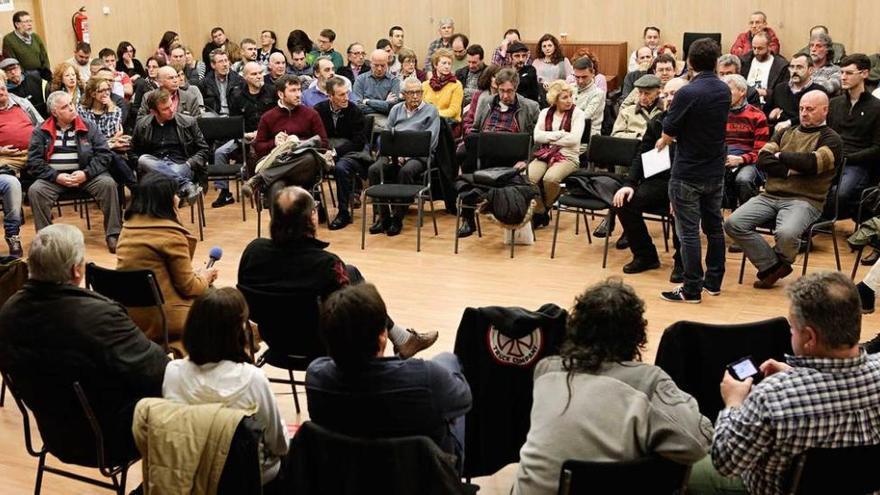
<point x="678" y="295"/>
<point x="602" y="230"/>
<point x="224" y="198"/>
<point x="711" y="291"/>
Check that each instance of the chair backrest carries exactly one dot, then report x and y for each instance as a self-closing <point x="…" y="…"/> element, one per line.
<point x="695" y="355"/>
<point x="221" y="128"/>
<point x="816" y="471"/>
<point x="653" y="474"/>
<point x="289" y="324"/>
<point x="607" y="151"/>
<point x="837" y="175"/>
<point x="405" y="144"/>
<point x="131" y="288"/>
<point x="689" y="39"/>
<point x="588" y="127"/>
<point x="369" y="122"/>
<point x="322" y="461"/>
<point x="502" y="147"/>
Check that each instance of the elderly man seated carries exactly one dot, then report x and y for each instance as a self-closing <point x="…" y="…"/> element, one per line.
<point x="412" y="114"/>
<point x="800" y="163"/>
<point x="376" y="91"/>
<point x="633" y="120"/>
<point x="747" y="133"/>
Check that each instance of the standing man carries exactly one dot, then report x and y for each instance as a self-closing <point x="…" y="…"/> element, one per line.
<point x="82" y="54"/>
<point x="27" y="46"/>
<point x="66" y="152"/>
<point x="697" y="121"/>
<point x="446" y="30"/>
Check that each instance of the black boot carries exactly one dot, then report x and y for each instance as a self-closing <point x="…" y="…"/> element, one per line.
<point x="867" y="296"/>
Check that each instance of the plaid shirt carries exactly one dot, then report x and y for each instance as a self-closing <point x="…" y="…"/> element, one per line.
<point x="499" y="121"/>
<point x="108" y="123"/>
<point x="433" y="47"/>
<point x="820" y="402"/>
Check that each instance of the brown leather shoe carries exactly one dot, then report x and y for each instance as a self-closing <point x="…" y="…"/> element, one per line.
<point x="417" y="342"/>
<point x="781" y="271"/>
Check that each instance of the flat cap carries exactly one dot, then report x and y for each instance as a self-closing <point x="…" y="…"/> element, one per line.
<point x="648" y="81"/>
<point x="8" y="62"/>
<point x="517" y="47"/>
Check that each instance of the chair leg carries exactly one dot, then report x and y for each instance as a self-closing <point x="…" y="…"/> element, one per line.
<point x="2" y="394"/>
<point x="512" y="242"/>
<point x="201" y="217"/>
<point x="363" y="220"/>
<point x="742" y="268"/>
<point x="577" y="223"/>
<point x="123" y="476"/>
<point x="665" y="235"/>
<point x="836" y="250"/>
<point x="433" y="216"/>
<point x="238" y="198"/>
<point x="556" y="231"/>
<point x="852" y="277"/>
<point x="587" y="228"/>
<point x="807" y="253"/>
<point x="477" y="219"/>
<point x="259" y="218"/>
<point x="421" y="205"/>
<point x="332" y="196"/>
<point x="41" y="465"/>
<point x="610" y="219"/>
<point x="293" y="388"/>
<point x="88" y="219"/>
<point x="457" y="224"/>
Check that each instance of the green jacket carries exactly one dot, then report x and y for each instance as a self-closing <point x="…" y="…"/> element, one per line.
<point x="31" y="57"/>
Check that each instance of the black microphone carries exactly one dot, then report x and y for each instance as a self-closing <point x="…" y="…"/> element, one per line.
<point x="214" y="256"/>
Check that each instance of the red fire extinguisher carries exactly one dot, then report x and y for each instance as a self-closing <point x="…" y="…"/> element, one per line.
<point x="80" y="23"/>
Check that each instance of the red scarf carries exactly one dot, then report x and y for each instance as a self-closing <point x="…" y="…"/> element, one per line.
<point x="552" y="153"/>
<point x="438" y="81"/>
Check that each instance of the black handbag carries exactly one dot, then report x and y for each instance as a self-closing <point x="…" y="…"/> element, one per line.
<point x="495" y="176"/>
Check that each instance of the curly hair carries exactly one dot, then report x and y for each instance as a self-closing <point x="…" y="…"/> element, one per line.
<point x="556" y="88"/>
<point x="606" y="324"/>
<point x="89" y="95"/>
<point x="57" y="83"/>
<point x="556" y="56"/>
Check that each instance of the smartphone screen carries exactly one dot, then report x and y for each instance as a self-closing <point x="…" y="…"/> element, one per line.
<point x="743" y="368"/>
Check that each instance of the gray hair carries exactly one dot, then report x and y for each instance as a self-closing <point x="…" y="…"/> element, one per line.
<point x="447" y="21"/>
<point x="507" y="75"/>
<point x="829" y="303"/>
<point x="824" y="38"/>
<point x="738" y="81"/>
<point x="316" y="64"/>
<point x="730" y="59"/>
<point x="53" y="100"/>
<point x="411" y="81"/>
<point x="54" y="251"/>
<point x="333" y="83"/>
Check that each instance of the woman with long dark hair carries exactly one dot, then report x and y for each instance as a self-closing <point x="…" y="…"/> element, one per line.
<point x="299" y="38"/>
<point x="126" y="61"/>
<point x="598" y="401"/>
<point x="153" y="238"/>
<point x="169" y="39"/>
<point x="550" y="63"/>
<point x="219" y="369"/>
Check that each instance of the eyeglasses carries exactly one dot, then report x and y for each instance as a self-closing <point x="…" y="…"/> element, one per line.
<point x="357" y="53"/>
<point x="103" y="90"/>
<point x="850" y="72"/>
<point x="414" y="92"/>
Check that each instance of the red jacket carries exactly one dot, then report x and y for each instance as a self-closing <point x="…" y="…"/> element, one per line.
<point x="302" y="121"/>
<point x="743" y="43"/>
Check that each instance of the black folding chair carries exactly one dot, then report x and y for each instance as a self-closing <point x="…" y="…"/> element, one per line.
<point x="130" y="288"/>
<point x="606" y="152"/>
<point x="219" y="130"/>
<point x="402" y="144"/>
<point x="689" y="38"/>
<point x="653" y="474"/>
<point x="827" y="226"/>
<point x="263" y="201"/>
<point x="116" y="473"/>
<point x="817" y="471"/>
<point x="695" y="355"/>
<point x="495" y="149"/>
<point x="288" y="323"/>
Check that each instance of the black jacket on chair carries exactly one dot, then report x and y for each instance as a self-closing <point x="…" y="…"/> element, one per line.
<point x="528" y="83"/>
<point x="54" y="334"/>
<point x="498" y="349"/>
<point x="211" y="92"/>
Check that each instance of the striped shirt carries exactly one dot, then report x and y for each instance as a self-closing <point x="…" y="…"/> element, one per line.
<point x="64" y="155"/>
<point x="820" y="402"/>
<point x="747" y="133"/>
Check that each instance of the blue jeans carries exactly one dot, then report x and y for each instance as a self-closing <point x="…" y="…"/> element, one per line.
<point x="346" y="170"/>
<point x="221" y="159"/>
<point x="852" y="182"/>
<point x="450" y="362"/>
<point x="181" y="172"/>
<point x="10" y="193"/>
<point x="695" y="204"/>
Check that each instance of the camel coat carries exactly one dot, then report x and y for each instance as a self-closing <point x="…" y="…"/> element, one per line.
<point x="167" y="248"/>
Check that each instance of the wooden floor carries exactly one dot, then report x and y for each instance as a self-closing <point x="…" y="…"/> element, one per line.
<point x="429" y="291"/>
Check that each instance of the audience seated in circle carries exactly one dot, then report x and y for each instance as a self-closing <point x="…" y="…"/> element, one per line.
<point x="74" y="334"/>
<point x="153" y="239"/>
<point x="416" y="397"/>
<point x="557" y="134"/>
<point x="827" y="395"/>
<point x="219" y="369"/>
<point x="641" y="412"/>
<point x="293" y="260"/>
<point x="800" y="164"/>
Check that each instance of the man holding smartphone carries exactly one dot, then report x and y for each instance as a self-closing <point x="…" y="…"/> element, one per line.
<point x="827" y="395"/>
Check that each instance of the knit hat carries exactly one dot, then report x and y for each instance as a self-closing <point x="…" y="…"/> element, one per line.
<point x="648" y="81"/>
<point x="517" y="47"/>
<point x="8" y="62"/>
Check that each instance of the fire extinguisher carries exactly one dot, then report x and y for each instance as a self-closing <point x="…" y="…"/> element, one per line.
<point x="80" y="23"/>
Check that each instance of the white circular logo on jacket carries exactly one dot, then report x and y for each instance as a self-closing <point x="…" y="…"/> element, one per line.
<point x="515" y="352"/>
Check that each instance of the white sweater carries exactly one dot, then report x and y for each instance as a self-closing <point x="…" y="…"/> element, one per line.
<point x="235" y="385"/>
<point x="570" y="142"/>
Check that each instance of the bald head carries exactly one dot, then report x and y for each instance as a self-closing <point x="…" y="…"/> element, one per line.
<point x="167" y="78"/>
<point x="379" y="63"/>
<point x="293" y="216"/>
<point x="253" y="75"/>
<point x="813" y="108"/>
<point x="670" y="88"/>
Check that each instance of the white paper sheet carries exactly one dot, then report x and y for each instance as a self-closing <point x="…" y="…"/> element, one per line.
<point x="654" y="162"/>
